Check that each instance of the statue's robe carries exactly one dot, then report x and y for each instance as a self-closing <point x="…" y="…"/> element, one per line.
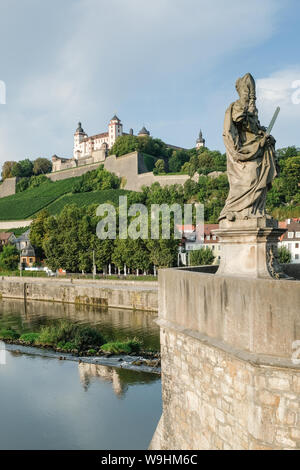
<point x="251" y="166"/>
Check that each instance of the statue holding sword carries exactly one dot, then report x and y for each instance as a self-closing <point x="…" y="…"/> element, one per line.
<point x="251" y="160"/>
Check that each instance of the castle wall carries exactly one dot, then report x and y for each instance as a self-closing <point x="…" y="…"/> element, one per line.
<point x="72" y="172"/>
<point x="229" y="375"/>
<point x="130" y="167"/>
<point x="8" y="187"/>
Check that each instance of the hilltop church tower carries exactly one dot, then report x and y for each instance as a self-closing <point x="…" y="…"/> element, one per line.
<point x="200" y="142"/>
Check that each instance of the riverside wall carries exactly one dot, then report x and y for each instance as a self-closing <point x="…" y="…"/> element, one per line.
<point x="136" y="295"/>
<point x="230" y="363"/>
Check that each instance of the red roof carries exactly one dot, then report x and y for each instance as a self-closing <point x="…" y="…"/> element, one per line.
<point x="4" y="236"/>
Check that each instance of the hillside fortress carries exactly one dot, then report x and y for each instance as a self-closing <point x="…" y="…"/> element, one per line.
<point x="93" y="149"/>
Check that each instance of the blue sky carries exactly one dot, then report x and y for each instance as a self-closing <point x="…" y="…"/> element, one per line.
<point x="170" y="65"/>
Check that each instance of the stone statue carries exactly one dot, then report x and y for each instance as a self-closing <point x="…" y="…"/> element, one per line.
<point x="251" y="162"/>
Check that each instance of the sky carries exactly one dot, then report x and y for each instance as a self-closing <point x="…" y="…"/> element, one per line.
<point x="170" y="65"/>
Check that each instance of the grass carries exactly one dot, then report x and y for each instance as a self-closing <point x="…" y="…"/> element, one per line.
<point x="113" y="277"/>
<point x="24" y="273"/>
<point x="27" y="203"/>
<point x="86" y="199"/>
<point x="70" y="336"/>
<point x="17" y="231"/>
<point x="30" y="338"/>
<point x="9" y="333"/>
<point x="122" y="347"/>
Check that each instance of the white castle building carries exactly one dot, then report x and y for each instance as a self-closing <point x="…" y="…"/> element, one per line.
<point x="93" y="149"/>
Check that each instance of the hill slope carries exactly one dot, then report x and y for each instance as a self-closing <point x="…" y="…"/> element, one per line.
<point x="53" y="196"/>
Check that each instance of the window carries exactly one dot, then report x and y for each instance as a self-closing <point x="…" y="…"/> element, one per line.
<point x="296" y="256"/>
<point x="297" y="245"/>
<point x="297" y="234"/>
<point x="208" y="237"/>
<point x="290" y="234"/>
<point x="214" y="237"/>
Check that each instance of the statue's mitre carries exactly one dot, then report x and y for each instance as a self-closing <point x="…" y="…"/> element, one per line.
<point x="246" y="82"/>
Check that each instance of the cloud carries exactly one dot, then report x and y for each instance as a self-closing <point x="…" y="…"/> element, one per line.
<point x="148" y="61"/>
<point x="281" y="88"/>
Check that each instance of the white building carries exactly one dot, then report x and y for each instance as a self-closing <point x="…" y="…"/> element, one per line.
<point x="92" y="149"/>
<point x="291" y="238"/>
<point x="84" y="145"/>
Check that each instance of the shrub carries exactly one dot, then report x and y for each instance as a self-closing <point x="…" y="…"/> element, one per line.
<point x="30" y="338"/>
<point x="69" y="346"/>
<point x="87" y="337"/>
<point x="119" y="347"/>
<point x="201" y="257"/>
<point x="8" y="333"/>
<point x="69" y="336"/>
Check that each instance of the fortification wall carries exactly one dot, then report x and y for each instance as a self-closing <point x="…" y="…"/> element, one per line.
<point x="72" y="172"/>
<point x="229" y="375"/>
<point x="8" y="187"/>
<point x="131" y="168"/>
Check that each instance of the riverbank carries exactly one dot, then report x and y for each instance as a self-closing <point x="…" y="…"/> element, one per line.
<point x="134" y="295"/>
<point x="138" y="363"/>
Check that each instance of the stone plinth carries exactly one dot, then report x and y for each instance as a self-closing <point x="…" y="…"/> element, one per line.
<point x="230" y="364"/>
<point x="249" y="248"/>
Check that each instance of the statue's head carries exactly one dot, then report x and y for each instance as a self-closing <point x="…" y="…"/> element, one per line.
<point x="245" y="87"/>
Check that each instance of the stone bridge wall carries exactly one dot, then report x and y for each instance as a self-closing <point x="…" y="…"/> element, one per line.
<point x="230" y="380"/>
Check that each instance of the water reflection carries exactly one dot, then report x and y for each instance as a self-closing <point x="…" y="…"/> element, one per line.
<point x="43" y="405"/>
<point x="120" y="379"/>
<point x="113" y="323"/>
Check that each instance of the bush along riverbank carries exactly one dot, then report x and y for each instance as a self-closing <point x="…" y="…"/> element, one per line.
<point x="79" y="340"/>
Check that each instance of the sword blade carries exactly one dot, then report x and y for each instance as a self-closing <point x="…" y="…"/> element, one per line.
<point x="271" y="125"/>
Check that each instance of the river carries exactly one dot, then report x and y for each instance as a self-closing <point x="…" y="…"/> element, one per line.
<point x="50" y="404"/>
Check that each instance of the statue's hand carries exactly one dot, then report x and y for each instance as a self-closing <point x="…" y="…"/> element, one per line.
<point x="271" y="140"/>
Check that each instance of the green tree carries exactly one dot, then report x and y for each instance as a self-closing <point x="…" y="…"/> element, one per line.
<point x="97" y="180"/>
<point x="22" y="169"/>
<point x="175" y="163"/>
<point x="159" y="167"/>
<point x="9" y="258"/>
<point x="39" y="231"/>
<point x="284" y="255"/>
<point x="42" y="166"/>
<point x="7" y="169"/>
<point x="202" y="257"/>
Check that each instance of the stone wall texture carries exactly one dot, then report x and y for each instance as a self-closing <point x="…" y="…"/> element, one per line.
<point x="131" y="168"/>
<point x="229" y="377"/>
<point x="8" y="187"/>
<point x="118" y="294"/>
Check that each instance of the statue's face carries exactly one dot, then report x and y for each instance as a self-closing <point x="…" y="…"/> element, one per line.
<point x="244" y="97"/>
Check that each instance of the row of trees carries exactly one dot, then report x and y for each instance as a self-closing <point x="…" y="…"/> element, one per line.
<point x="69" y="241"/>
<point x="26" y="168"/>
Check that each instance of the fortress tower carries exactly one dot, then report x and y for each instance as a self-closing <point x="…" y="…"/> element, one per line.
<point x="115" y="130"/>
<point x="78" y="138"/>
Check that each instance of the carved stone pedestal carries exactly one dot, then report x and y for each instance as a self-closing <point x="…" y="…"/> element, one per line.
<point x="249" y="248"/>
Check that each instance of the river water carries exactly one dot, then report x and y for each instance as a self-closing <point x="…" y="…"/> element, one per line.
<point x="50" y="404"/>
